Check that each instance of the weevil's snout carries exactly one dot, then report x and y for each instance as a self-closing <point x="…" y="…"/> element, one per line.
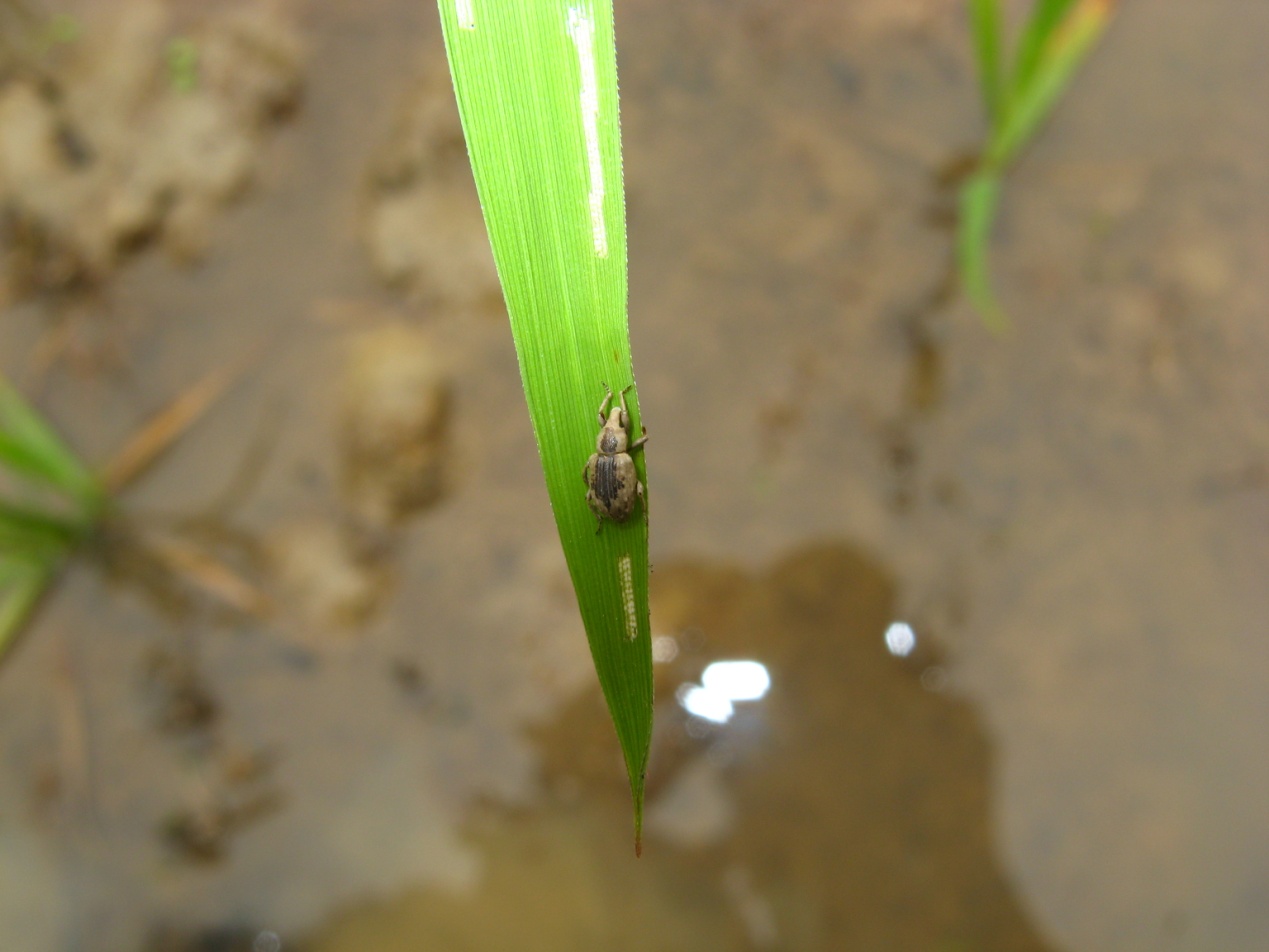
<point x="612" y="438"/>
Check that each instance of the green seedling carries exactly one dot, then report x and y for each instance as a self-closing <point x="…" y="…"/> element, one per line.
<point x="62" y="28"/>
<point x="182" y="64"/>
<point x="50" y="502"/>
<point x="536" y="83"/>
<point x="1018" y="97"/>
<point x="52" y="505"/>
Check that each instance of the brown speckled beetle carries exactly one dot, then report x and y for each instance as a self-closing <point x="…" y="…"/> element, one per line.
<point x="612" y="484"/>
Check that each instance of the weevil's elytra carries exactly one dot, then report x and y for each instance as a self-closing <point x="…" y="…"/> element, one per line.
<point x="613" y="486"/>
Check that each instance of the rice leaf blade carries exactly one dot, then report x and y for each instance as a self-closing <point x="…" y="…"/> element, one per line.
<point x="986" y="26"/>
<point x="979" y="198"/>
<point x="1046" y="15"/>
<point x="30" y="447"/>
<point x="22" y="525"/>
<point x="1065" y="50"/>
<point x="536" y="84"/>
<point x="20" y="591"/>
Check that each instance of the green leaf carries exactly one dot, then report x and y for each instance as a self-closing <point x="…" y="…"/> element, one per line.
<point x="24" y="460"/>
<point x="30" y="448"/>
<point x="24" y="529"/>
<point x="986" y="23"/>
<point x="21" y="586"/>
<point x="978" y="200"/>
<point x="14" y="569"/>
<point x="61" y="28"/>
<point x="1058" y="35"/>
<point x="536" y="83"/>
<point x="1061" y="54"/>
<point x="1046" y="16"/>
<point x="182" y="64"/>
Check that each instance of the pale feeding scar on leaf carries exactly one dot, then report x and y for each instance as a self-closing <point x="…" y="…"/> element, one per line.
<point x="626" y="574"/>
<point x="581" y="27"/>
<point x="465" y="13"/>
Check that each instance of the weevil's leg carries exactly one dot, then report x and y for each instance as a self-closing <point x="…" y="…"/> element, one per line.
<point x="637" y="444"/>
<point x="599" y="523"/>
<point x="604" y="404"/>
<point x="625" y="414"/>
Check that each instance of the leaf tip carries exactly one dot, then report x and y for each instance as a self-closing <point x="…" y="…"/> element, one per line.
<point x="996" y="320"/>
<point x="638" y="824"/>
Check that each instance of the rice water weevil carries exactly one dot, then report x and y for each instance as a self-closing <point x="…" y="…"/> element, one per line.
<point x="611" y="481"/>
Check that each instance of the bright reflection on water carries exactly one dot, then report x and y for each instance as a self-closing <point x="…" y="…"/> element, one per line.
<point x="705" y="704"/>
<point x="737" y="680"/>
<point x="722" y="684"/>
<point x="900" y="639"/>
<point x="665" y="648"/>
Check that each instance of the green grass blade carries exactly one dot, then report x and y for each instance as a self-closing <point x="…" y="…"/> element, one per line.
<point x="978" y="200"/>
<point x="23" y="529"/>
<point x="13" y="570"/>
<point x="536" y="82"/>
<point x="21" y="587"/>
<point x="22" y="459"/>
<point x="1046" y="15"/>
<point x="30" y="447"/>
<point x="986" y="25"/>
<point x="1063" y="52"/>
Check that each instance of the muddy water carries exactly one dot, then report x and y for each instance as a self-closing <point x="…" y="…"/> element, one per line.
<point x="856" y="785"/>
<point x="1072" y="518"/>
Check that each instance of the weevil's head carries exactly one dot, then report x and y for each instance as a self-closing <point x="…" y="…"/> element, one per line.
<point x="613" y="438"/>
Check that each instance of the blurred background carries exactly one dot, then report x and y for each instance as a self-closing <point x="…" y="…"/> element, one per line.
<point x="1003" y="596"/>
